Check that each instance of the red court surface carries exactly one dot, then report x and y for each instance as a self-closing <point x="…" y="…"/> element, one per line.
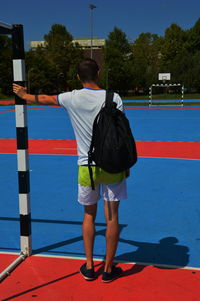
<point x="7" y="102"/>
<point x="50" y="279"/>
<point x="159" y="149"/>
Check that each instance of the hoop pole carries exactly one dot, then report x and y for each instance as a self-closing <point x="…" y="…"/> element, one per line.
<point x="12" y="266"/>
<point x="182" y="94"/>
<point x="22" y="142"/>
<point x="150" y="95"/>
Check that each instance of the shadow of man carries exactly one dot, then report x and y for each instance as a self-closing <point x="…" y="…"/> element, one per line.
<point x="165" y="254"/>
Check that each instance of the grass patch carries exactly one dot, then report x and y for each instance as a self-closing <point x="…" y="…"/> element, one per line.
<point x="141" y="103"/>
<point x="143" y="100"/>
<point x="162" y="96"/>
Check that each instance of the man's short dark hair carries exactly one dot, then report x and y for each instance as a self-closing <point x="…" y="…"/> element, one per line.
<point x="88" y="70"/>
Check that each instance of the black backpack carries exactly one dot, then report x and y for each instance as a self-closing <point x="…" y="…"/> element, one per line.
<point x="112" y="147"/>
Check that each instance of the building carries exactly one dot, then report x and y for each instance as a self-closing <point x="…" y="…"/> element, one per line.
<point x="85" y="44"/>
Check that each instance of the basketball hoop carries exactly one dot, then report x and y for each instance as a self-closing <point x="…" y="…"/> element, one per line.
<point x="164" y="77"/>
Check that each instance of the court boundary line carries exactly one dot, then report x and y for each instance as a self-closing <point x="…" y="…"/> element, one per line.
<point x="161" y="109"/>
<point x="47" y="107"/>
<point x="101" y="260"/>
<point x="125" y="108"/>
<point x="77" y="155"/>
<point x="170" y="158"/>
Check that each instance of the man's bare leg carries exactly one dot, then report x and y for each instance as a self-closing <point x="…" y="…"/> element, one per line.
<point x="112" y="233"/>
<point x="88" y="229"/>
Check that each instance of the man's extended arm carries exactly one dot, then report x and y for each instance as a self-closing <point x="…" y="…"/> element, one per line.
<point x="30" y="98"/>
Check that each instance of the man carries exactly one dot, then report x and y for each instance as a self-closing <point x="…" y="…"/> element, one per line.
<point x="82" y="106"/>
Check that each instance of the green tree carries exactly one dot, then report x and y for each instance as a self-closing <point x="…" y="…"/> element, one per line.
<point x="193" y="41"/>
<point x="196" y="71"/>
<point x="40" y="75"/>
<point x="186" y="70"/>
<point x="146" y="59"/>
<point x="5" y="65"/>
<point x="52" y="69"/>
<point x="63" y="56"/>
<point x="117" y="56"/>
<point x="173" y="45"/>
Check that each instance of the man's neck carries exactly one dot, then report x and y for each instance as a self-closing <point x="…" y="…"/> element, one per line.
<point x="91" y="85"/>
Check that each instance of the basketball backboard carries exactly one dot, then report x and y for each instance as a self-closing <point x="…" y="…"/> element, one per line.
<point x="164" y="76"/>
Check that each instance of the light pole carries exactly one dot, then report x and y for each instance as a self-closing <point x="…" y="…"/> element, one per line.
<point x="28" y="79"/>
<point x="91" y="6"/>
<point x="107" y="77"/>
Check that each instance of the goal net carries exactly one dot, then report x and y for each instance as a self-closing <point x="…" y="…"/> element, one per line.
<point x="166" y="94"/>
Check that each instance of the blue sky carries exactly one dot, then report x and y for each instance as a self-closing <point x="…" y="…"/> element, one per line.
<point x="132" y="17"/>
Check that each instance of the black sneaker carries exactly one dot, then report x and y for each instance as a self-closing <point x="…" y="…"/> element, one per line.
<point x="88" y="274"/>
<point x="115" y="273"/>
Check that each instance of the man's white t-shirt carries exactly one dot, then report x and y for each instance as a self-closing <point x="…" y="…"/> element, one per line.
<point x="83" y="106"/>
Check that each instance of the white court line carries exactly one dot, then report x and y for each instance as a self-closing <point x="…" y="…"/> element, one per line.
<point x="118" y="261"/>
<point x="121" y="261"/>
<point x="167" y="158"/>
<point x="77" y="155"/>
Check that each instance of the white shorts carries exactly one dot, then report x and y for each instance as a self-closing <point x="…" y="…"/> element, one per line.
<point x="110" y="192"/>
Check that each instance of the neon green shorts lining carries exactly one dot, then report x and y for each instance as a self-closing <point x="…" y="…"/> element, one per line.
<point x="99" y="176"/>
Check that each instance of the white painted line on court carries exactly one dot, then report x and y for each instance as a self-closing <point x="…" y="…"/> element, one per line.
<point x="99" y="259"/>
<point x="121" y="261"/>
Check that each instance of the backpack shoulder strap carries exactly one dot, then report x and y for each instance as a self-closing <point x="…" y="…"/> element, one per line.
<point x="108" y="104"/>
<point x="90" y="159"/>
<point x="109" y="98"/>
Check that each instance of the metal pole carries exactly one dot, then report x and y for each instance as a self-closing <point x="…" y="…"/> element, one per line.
<point x="22" y="141"/>
<point x="182" y="94"/>
<point x="91" y="29"/>
<point x="5" y="28"/>
<point x="22" y="145"/>
<point x="28" y="79"/>
<point x="12" y="266"/>
<point x="107" y="79"/>
<point x="150" y="95"/>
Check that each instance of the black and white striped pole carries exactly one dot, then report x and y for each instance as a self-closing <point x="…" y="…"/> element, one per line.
<point x="19" y="77"/>
<point x="182" y="96"/>
<point x="150" y="95"/>
<point x="22" y="140"/>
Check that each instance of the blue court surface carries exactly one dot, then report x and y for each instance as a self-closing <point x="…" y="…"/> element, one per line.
<point x="160" y="219"/>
